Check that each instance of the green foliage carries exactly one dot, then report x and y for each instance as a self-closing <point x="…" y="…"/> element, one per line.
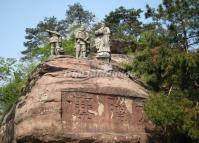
<point x="76" y="14"/>
<point x="124" y="23"/>
<point x="165" y="67"/>
<point x="151" y="36"/>
<point x="191" y="122"/>
<point x="13" y="83"/>
<point x="163" y="110"/>
<point x="41" y="53"/>
<point x="170" y="72"/>
<point x="175" y="114"/>
<point x="10" y="92"/>
<point x="68" y="46"/>
<point x="154" y="64"/>
<point x="6" y="67"/>
<point x="174" y="75"/>
<point x="181" y="19"/>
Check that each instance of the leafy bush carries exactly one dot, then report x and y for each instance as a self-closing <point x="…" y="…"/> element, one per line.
<point x="175" y="114"/>
<point x="11" y="90"/>
<point x="68" y="46"/>
<point x="173" y="76"/>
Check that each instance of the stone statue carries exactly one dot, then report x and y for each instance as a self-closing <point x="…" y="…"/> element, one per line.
<point x="102" y="42"/>
<point x="81" y="43"/>
<point x="55" y="42"/>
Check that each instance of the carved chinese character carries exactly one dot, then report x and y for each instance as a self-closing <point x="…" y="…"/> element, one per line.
<point x="118" y="108"/>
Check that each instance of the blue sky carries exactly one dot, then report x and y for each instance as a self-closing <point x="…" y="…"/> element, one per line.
<point x="16" y="15"/>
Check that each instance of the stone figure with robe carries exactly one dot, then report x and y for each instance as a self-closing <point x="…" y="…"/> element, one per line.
<point x="102" y="41"/>
<point x="81" y="42"/>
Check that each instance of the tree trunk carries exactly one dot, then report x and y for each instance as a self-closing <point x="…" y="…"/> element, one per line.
<point x="186" y="45"/>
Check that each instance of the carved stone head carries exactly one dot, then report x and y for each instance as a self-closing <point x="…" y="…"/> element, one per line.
<point x="82" y="28"/>
<point x="103" y="24"/>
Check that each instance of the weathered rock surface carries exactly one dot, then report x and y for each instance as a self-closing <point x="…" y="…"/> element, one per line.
<point x="119" y="46"/>
<point x="78" y="101"/>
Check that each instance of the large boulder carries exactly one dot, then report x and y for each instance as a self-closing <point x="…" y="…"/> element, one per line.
<point x="79" y="101"/>
<point x="120" y="46"/>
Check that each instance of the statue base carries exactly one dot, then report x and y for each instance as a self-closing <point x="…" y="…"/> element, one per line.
<point x="104" y="56"/>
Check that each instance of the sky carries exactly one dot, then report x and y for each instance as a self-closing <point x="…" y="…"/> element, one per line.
<point x="17" y="15"/>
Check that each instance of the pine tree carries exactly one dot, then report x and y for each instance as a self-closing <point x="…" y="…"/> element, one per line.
<point x="181" y="17"/>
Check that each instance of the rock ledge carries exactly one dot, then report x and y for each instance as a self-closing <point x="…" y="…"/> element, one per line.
<point x="77" y="101"/>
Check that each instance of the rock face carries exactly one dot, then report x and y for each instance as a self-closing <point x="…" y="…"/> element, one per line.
<point x="119" y="46"/>
<point x="78" y="101"/>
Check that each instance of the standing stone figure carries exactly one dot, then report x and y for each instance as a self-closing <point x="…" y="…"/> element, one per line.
<point x="81" y="42"/>
<point x="102" y="42"/>
<point x="55" y="42"/>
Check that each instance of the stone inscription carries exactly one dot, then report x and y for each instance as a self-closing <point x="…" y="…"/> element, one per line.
<point x="81" y="106"/>
<point x="118" y="109"/>
<point x="87" y="112"/>
<point x="138" y="112"/>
